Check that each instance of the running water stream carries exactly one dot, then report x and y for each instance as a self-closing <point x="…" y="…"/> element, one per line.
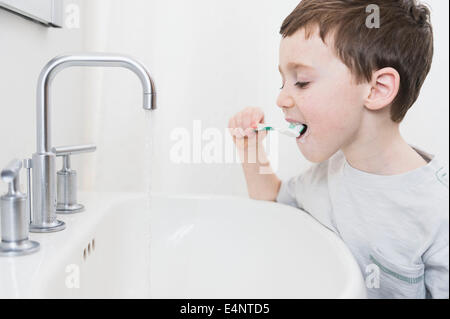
<point x="149" y="138"/>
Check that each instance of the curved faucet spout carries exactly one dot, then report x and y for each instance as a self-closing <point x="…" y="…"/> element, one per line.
<point x="103" y="60"/>
<point x="43" y="216"/>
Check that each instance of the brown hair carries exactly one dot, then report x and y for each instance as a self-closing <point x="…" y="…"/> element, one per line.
<point x="403" y="41"/>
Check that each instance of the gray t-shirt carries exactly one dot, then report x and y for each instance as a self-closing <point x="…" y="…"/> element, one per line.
<point x="397" y="227"/>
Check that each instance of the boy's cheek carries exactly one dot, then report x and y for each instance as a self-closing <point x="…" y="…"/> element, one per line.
<point x="328" y="132"/>
<point x="341" y="111"/>
<point x="333" y="110"/>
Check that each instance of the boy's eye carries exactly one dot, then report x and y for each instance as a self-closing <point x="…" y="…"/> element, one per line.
<point x="302" y="85"/>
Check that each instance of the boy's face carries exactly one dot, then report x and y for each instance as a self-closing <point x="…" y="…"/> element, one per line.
<point x="319" y="91"/>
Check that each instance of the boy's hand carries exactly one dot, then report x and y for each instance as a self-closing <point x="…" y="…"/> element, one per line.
<point x="262" y="183"/>
<point x="242" y="127"/>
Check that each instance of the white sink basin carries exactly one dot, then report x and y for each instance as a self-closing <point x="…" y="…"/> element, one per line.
<point x="184" y="247"/>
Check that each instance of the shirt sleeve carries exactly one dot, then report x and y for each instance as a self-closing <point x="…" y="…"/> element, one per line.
<point x="436" y="274"/>
<point x="437" y="264"/>
<point x="287" y="192"/>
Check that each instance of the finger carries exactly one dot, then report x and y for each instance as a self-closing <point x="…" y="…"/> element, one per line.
<point x="234" y="132"/>
<point x="247" y="119"/>
<point x="262" y="135"/>
<point x="257" y="115"/>
<point x="249" y="132"/>
<point x="239" y="132"/>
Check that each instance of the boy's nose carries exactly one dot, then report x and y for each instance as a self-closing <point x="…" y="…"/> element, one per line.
<point x="284" y="100"/>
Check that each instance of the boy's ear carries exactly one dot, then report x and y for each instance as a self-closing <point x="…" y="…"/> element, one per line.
<point x="383" y="88"/>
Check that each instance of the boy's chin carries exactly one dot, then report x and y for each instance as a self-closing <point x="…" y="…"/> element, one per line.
<point x="314" y="156"/>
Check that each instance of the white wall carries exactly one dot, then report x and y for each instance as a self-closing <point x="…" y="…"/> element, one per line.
<point x="25" y="47"/>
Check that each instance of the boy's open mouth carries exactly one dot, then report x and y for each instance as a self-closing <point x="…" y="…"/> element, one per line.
<point x="298" y="124"/>
<point x="304" y="130"/>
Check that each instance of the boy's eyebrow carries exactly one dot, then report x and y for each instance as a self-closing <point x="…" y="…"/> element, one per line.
<point x="296" y="65"/>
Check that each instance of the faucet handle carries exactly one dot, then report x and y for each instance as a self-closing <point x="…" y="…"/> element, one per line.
<point x="14" y="216"/>
<point x="10" y="174"/>
<point x="67" y="179"/>
<point x="75" y="149"/>
<point x="66" y="151"/>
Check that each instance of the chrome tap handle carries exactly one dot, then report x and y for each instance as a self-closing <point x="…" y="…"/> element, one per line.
<point x="15" y="220"/>
<point x="76" y="149"/>
<point x="67" y="179"/>
<point x="11" y="171"/>
<point x="10" y="175"/>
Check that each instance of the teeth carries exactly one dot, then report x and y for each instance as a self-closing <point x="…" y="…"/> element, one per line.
<point x="299" y="129"/>
<point x="293" y="125"/>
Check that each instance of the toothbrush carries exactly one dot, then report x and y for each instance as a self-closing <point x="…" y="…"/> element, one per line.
<point x="293" y="130"/>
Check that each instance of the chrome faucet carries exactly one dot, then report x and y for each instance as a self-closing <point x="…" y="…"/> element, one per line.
<point x="43" y="210"/>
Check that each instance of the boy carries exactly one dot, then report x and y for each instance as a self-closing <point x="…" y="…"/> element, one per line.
<point x="351" y="84"/>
